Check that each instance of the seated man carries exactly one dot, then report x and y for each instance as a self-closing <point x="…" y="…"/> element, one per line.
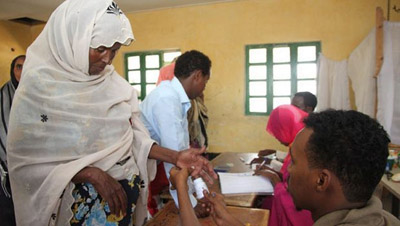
<point x="306" y="101"/>
<point x="338" y="160"/>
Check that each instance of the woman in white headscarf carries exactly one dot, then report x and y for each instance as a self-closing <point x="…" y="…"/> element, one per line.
<point x="77" y="151"/>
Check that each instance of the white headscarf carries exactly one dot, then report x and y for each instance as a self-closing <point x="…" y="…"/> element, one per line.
<point x="64" y="119"/>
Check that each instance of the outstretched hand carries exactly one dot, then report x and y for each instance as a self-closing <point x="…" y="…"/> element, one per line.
<point x="192" y="159"/>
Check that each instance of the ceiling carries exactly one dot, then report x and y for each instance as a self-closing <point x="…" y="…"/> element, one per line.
<point x="41" y="9"/>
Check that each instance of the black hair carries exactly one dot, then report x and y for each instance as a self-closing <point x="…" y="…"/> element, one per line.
<point x="191" y="61"/>
<point x="13" y="79"/>
<point x="351" y="145"/>
<point x="310" y="100"/>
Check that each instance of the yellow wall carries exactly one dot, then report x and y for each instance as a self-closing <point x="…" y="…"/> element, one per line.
<point x="14" y="40"/>
<point x="221" y="31"/>
<point x="13" y="36"/>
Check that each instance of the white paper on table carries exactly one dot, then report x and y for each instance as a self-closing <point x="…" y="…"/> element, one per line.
<point x="244" y="183"/>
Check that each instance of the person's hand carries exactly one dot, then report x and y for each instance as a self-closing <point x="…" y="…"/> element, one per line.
<point x="202" y="209"/>
<point x="106" y="186"/>
<point x="265" y="152"/>
<point x="260" y="160"/>
<point x="192" y="159"/>
<point x="219" y="211"/>
<point x="267" y="172"/>
<point x="178" y="178"/>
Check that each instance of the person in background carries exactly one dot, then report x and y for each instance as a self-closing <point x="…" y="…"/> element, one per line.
<point x="306" y="101"/>
<point x="164" y="110"/>
<point x="77" y="151"/>
<point x="166" y="72"/>
<point x="197" y="125"/>
<point x="284" y="123"/>
<point x="338" y="159"/>
<point x="7" y="216"/>
<point x="198" y="120"/>
<point x="197" y="113"/>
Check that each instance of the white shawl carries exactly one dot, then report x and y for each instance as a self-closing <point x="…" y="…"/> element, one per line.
<point x="63" y="119"/>
<point x="361" y="68"/>
<point x="333" y="84"/>
<point x="389" y="82"/>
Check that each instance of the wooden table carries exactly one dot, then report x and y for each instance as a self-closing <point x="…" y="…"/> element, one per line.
<point x="237" y="161"/>
<point x="169" y="215"/>
<point x="394" y="189"/>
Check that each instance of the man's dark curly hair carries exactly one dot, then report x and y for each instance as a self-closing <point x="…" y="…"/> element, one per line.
<point x="351" y="145"/>
<point x="191" y="61"/>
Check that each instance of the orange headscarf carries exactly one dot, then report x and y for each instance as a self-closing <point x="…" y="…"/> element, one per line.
<point x="166" y="73"/>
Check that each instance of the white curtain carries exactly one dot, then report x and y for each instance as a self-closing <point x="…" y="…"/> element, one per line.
<point x="333" y="84"/>
<point x="389" y="82"/>
<point x="361" y="68"/>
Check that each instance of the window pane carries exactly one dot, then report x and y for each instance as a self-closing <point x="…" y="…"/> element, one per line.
<point x="152" y="76"/>
<point x="134" y="76"/>
<point x="282" y="71"/>
<point x="133" y="62"/>
<point x="307" y="85"/>
<point x="258" y="72"/>
<point x="138" y="89"/>
<point x="307" y="70"/>
<point x="150" y="88"/>
<point x="170" y="56"/>
<point x="280" y="101"/>
<point x="258" y="105"/>
<point x="306" y="53"/>
<point x="152" y="61"/>
<point x="281" y="54"/>
<point x="258" y="88"/>
<point x="281" y="88"/>
<point x="258" y="55"/>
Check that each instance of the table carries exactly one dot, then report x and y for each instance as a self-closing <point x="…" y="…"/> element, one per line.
<point x="169" y="215"/>
<point x="238" y="162"/>
<point x="394" y="189"/>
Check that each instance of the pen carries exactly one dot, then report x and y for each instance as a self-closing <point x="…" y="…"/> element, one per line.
<point x="262" y="164"/>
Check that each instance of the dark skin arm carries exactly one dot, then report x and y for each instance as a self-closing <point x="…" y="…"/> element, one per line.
<point x="190" y="158"/>
<point x="272" y="175"/>
<point x="113" y="193"/>
<point x="107" y="187"/>
<point x="179" y="181"/>
<point x="219" y="211"/>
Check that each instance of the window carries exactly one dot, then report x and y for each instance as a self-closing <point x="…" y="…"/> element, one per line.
<point x="275" y="72"/>
<point x="142" y="69"/>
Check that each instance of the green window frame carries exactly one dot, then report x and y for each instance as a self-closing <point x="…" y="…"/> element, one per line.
<point x="275" y="72"/>
<point x="142" y="68"/>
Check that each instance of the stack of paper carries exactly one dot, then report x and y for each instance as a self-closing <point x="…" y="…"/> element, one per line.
<point x="244" y="183"/>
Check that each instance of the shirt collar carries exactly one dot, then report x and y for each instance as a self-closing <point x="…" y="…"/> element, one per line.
<point x="177" y="85"/>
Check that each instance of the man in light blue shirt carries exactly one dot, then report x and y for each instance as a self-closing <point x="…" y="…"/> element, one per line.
<point x="164" y="110"/>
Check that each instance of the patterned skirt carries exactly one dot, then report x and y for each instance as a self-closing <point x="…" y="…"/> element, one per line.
<point x="90" y="209"/>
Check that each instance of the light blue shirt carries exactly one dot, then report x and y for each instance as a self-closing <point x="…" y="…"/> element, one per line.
<point x="164" y="113"/>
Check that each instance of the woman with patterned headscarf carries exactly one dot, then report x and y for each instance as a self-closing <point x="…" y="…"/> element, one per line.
<point x="78" y="153"/>
<point x="284" y="123"/>
<point x="6" y="96"/>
